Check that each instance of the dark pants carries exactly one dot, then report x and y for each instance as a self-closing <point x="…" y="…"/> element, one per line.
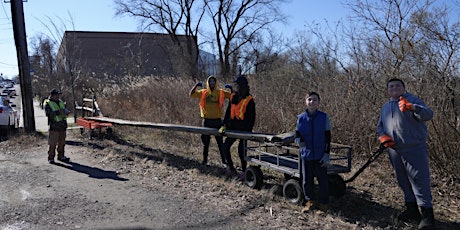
<point x="206" y="139"/>
<point x="241" y="152"/>
<point x="310" y="170"/>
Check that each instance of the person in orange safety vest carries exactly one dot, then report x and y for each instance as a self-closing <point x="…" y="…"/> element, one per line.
<point x="240" y="116"/>
<point x="211" y="102"/>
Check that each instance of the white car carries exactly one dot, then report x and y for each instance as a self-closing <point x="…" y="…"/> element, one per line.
<point x="9" y="116"/>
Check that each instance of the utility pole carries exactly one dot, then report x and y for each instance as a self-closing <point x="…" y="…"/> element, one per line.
<point x="19" y="29"/>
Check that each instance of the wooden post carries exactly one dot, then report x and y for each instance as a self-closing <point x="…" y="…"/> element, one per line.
<point x="19" y="30"/>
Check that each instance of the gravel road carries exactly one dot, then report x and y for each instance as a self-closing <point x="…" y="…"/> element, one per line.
<point x="83" y="194"/>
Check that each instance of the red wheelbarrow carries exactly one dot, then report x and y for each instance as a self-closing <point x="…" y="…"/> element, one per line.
<point x="95" y="127"/>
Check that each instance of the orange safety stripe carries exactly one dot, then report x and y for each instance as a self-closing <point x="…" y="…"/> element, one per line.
<point x="221" y="98"/>
<point x="237" y="111"/>
<point x="203" y="99"/>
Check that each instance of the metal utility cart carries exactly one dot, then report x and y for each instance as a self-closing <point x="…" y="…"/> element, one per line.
<point x="286" y="159"/>
<point x="266" y="150"/>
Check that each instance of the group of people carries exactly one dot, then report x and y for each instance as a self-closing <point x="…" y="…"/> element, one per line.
<point x="240" y="115"/>
<point x="401" y="129"/>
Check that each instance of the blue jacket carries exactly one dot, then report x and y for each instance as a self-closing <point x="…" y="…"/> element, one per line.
<point x="312" y="130"/>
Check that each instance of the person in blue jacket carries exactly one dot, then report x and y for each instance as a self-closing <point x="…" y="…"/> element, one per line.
<point x="313" y="135"/>
<point x="402" y="129"/>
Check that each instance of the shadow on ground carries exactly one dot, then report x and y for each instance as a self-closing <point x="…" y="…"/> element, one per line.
<point x="92" y="172"/>
<point x="354" y="207"/>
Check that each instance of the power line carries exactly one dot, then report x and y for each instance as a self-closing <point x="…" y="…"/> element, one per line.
<point x="3" y="63"/>
<point x="4" y="10"/>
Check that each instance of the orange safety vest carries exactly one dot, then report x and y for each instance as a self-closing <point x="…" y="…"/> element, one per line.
<point x="238" y="110"/>
<point x="203" y="99"/>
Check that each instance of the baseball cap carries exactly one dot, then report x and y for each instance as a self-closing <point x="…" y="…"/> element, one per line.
<point x="55" y="91"/>
<point x="241" y="80"/>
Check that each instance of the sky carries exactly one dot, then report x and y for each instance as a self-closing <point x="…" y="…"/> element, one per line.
<point x="99" y="15"/>
<point x="91" y="15"/>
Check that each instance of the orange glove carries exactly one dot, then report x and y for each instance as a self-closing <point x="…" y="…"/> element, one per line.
<point x="405" y="105"/>
<point x="387" y="141"/>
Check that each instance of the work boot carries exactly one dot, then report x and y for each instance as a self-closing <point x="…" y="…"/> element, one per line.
<point x="231" y="172"/>
<point x="64" y="159"/>
<point x="241" y="177"/>
<point x="50" y="159"/>
<point x="427" y="221"/>
<point x="411" y="213"/>
<point x="322" y="208"/>
<point x="308" y="206"/>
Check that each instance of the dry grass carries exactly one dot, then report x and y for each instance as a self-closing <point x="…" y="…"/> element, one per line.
<point x="353" y="105"/>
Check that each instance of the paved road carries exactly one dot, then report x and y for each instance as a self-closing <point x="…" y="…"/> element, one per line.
<point x="85" y="194"/>
<point x="41" y="121"/>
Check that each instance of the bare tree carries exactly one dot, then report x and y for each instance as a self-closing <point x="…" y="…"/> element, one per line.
<point x="236" y="23"/>
<point x="262" y="54"/>
<point x="69" y="66"/>
<point x="172" y="16"/>
<point x="414" y="40"/>
<point x="43" y="63"/>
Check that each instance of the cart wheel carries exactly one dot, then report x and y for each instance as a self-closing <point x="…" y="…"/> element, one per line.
<point x="253" y="177"/>
<point x="292" y="192"/>
<point x="337" y="185"/>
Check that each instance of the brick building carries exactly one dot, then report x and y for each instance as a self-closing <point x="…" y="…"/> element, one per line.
<point x="122" y="53"/>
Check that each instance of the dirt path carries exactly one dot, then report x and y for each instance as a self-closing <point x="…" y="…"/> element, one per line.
<point x="83" y="195"/>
